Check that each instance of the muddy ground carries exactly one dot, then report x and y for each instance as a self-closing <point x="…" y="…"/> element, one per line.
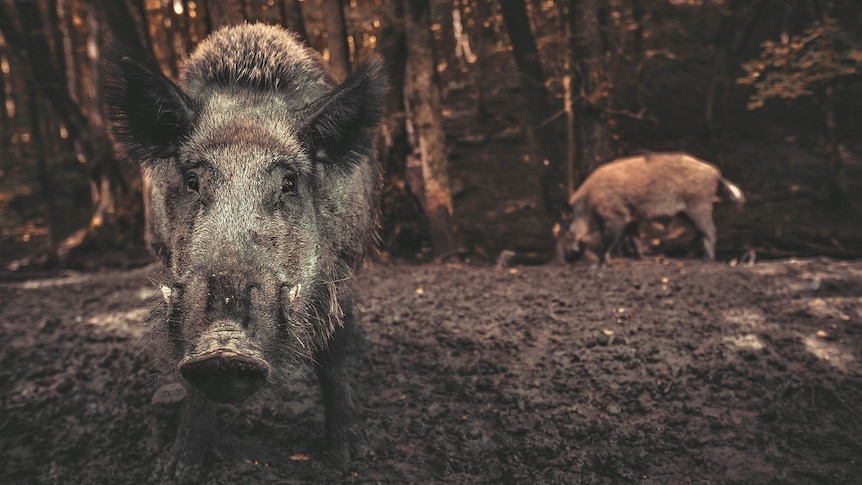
<point x="668" y="371"/>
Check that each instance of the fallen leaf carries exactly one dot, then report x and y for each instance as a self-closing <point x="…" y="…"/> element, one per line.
<point x="299" y="457"/>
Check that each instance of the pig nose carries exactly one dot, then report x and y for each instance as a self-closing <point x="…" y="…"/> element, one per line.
<point x="225" y="376"/>
<point x="231" y="294"/>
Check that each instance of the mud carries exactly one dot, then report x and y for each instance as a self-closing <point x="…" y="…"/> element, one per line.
<point x="667" y="371"/>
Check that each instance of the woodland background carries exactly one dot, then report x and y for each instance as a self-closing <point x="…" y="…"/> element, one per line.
<point x="667" y="371"/>
<point x="498" y="109"/>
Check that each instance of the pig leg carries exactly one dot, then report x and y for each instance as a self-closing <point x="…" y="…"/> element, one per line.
<point x="702" y="219"/>
<point x="612" y="233"/>
<point x="560" y="250"/>
<point x="340" y="412"/>
<point x="632" y="241"/>
<point x="182" y="463"/>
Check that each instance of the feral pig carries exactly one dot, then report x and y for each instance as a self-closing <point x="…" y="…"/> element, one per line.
<point x="264" y="200"/>
<point x="637" y="190"/>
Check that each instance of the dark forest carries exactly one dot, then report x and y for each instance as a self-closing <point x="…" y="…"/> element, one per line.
<point x="467" y="353"/>
<point x="524" y="99"/>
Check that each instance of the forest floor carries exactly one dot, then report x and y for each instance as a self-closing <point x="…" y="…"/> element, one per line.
<point x="653" y="371"/>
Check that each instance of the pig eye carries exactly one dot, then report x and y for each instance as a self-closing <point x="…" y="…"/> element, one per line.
<point x="192" y="183"/>
<point x="288" y="183"/>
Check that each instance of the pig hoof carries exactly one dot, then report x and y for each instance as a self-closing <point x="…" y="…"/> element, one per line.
<point x="346" y="445"/>
<point x="225" y="376"/>
<point x="171" y="469"/>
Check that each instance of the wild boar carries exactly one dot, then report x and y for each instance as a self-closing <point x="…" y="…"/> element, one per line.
<point x="264" y="200"/>
<point x="636" y="190"/>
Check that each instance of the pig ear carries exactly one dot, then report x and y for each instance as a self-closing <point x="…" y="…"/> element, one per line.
<point x="346" y="119"/>
<point x="149" y="114"/>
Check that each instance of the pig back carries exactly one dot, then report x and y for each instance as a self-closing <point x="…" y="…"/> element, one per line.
<point x="654" y="185"/>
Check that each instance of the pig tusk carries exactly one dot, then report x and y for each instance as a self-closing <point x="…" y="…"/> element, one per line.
<point x="294" y="292"/>
<point x="167" y="291"/>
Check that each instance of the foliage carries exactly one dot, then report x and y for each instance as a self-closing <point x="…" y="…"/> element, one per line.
<point x="802" y="64"/>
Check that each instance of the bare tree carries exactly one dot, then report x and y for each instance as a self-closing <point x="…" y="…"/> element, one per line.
<point x="336" y="38"/>
<point x="738" y="20"/>
<point x="126" y="22"/>
<point x="425" y="129"/>
<point x="127" y="25"/>
<point x="291" y="17"/>
<point x="224" y="13"/>
<point x="546" y="146"/>
<point x="593" y="131"/>
<point x="402" y="222"/>
<point x="26" y="27"/>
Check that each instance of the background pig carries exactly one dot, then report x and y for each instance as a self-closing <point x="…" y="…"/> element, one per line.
<point x="636" y="190"/>
<point x="264" y="200"/>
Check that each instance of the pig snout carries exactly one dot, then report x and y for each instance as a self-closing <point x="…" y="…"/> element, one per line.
<point x="570" y="250"/>
<point x="571" y="255"/>
<point x="224" y="375"/>
<point x="224" y="365"/>
<point x="224" y="357"/>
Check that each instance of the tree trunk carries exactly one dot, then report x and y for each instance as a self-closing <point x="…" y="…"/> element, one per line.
<point x="106" y="179"/>
<point x="43" y="172"/>
<point x="291" y="18"/>
<point x="336" y="39"/>
<point x="425" y="129"/>
<point x="224" y="13"/>
<point x="594" y="137"/>
<point x="25" y="35"/>
<point x="736" y="27"/>
<point x="64" y="34"/>
<point x="402" y="223"/>
<point x="5" y="125"/>
<point x="837" y="185"/>
<point x="87" y="132"/>
<point x="463" y="51"/>
<point x="107" y="174"/>
<point x="547" y="146"/>
<point x="572" y="175"/>
<point x="126" y="22"/>
<point x="638" y="31"/>
<point x="127" y="25"/>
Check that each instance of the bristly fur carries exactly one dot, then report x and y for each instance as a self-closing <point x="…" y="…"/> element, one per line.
<point x="256" y="56"/>
<point x="637" y="189"/>
<point x="264" y="199"/>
